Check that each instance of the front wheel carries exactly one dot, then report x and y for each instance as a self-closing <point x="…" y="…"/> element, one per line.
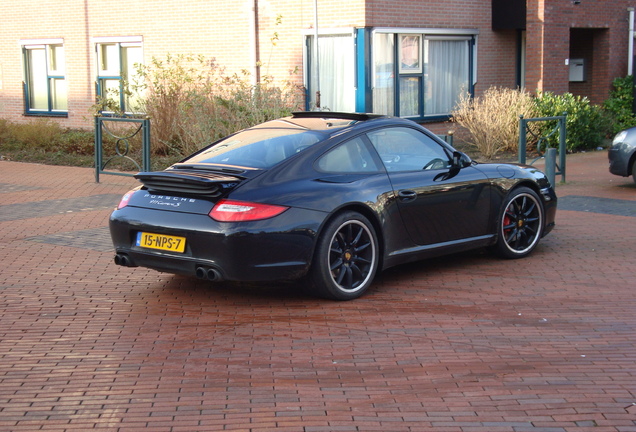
<point x="520" y="223"/>
<point x="346" y="258"/>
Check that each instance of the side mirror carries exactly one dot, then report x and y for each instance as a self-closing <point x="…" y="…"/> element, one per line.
<point x="461" y="160"/>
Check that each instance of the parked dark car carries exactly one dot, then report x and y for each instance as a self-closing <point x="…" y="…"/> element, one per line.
<point x="333" y="197"/>
<point x="622" y="154"/>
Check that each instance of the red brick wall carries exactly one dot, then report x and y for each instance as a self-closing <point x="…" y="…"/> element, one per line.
<point x="548" y="27"/>
<point x="216" y="29"/>
<point x="221" y="29"/>
<point x="496" y="50"/>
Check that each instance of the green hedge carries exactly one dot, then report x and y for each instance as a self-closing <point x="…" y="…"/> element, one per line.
<point x="587" y="124"/>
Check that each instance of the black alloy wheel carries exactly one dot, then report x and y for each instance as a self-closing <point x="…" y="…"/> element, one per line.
<point x="346" y="258"/>
<point x="520" y="224"/>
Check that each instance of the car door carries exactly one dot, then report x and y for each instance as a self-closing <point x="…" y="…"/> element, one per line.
<point x="437" y="204"/>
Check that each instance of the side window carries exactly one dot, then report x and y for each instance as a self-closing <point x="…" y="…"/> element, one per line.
<point x="406" y="149"/>
<point x="349" y="157"/>
<point x="45" y="83"/>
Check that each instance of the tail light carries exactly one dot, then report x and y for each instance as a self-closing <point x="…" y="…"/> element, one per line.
<point x="241" y="211"/>
<point x="124" y="200"/>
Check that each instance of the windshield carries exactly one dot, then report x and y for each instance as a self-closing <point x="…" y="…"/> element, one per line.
<point x="257" y="148"/>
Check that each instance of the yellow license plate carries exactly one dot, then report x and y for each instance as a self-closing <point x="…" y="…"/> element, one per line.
<point x="161" y="242"/>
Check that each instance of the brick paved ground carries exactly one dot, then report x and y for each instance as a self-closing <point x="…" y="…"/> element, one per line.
<point x="466" y="343"/>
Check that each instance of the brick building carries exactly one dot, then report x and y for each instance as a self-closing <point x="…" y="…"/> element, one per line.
<point x="403" y="57"/>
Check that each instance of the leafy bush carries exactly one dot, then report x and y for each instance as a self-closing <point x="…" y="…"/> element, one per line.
<point x="586" y="124"/>
<point x="39" y="133"/>
<point x="493" y="119"/>
<point x="620" y="104"/>
<point x="79" y="142"/>
<point x="5" y="130"/>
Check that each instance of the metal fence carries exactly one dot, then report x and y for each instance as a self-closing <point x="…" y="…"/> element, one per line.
<point x="552" y="168"/>
<point x="124" y="150"/>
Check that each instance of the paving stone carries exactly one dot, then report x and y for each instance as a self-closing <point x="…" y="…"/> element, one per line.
<point x="598" y="205"/>
<point x="97" y="239"/>
<point x="461" y="343"/>
<point x="39" y="209"/>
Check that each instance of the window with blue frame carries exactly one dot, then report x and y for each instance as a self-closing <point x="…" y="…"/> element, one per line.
<point x="45" y="90"/>
<point x="420" y="74"/>
<point x="117" y="77"/>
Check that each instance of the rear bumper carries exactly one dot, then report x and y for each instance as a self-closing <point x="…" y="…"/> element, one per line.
<point x="247" y="251"/>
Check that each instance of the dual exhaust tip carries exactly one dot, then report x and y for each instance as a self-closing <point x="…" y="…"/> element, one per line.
<point x="201" y="272"/>
<point x="208" y="273"/>
<point x="124" y="260"/>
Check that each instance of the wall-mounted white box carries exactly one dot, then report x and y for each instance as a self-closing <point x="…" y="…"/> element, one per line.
<point x="577" y="70"/>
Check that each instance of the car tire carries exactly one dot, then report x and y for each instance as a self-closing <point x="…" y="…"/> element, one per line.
<point x="520" y="223"/>
<point x="634" y="170"/>
<point x="346" y="258"/>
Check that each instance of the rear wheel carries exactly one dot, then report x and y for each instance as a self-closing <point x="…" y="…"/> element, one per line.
<point x="520" y="223"/>
<point x="634" y="170"/>
<point x="346" y="258"/>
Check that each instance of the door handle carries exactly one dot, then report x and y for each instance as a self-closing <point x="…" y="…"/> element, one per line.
<point x="407" y="195"/>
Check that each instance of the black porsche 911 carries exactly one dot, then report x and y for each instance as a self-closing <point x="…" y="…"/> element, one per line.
<point x="332" y="197"/>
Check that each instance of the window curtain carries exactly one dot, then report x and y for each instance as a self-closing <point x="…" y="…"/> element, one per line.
<point x="59" y="99"/>
<point x="410" y="96"/>
<point x="131" y="56"/>
<point x="38" y="87"/>
<point x="337" y="73"/>
<point x="384" y="73"/>
<point x="446" y="74"/>
<point x="59" y="93"/>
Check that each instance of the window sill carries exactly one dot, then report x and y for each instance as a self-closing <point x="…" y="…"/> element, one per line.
<point x="46" y="114"/>
<point x="434" y="119"/>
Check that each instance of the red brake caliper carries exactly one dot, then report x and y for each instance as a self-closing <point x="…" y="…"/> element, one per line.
<point x="506" y="222"/>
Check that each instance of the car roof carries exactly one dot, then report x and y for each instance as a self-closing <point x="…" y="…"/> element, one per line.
<point x="323" y="121"/>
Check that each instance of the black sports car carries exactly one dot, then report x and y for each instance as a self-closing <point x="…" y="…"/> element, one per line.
<point x="333" y="197"/>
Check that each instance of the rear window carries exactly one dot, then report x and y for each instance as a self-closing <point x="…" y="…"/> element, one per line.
<point x="257" y="148"/>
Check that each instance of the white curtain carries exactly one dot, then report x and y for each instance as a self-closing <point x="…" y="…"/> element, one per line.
<point x="384" y="73"/>
<point x="410" y="96"/>
<point x="336" y="59"/>
<point x="132" y="55"/>
<point x="38" y="98"/>
<point x="447" y="65"/>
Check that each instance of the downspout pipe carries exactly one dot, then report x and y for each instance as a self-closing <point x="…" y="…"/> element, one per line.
<point x="254" y="41"/>
<point x="630" y="45"/>
<point x="316" y="61"/>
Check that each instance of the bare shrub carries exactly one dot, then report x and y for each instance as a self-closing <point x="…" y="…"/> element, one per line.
<point x="493" y="118"/>
<point x="192" y="102"/>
